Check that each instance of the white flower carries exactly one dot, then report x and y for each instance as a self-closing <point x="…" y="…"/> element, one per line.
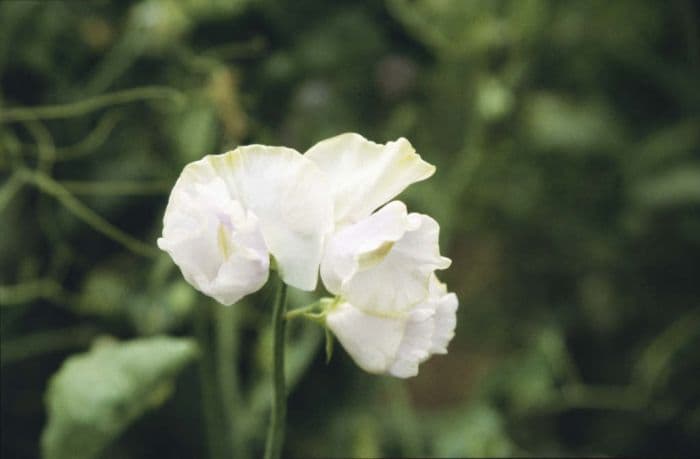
<point x="396" y="345"/>
<point x="380" y="264"/>
<point x="228" y="213"/>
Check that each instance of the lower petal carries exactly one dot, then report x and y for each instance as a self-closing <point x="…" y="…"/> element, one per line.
<point x="371" y="341"/>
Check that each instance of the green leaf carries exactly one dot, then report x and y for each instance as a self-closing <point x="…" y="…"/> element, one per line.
<point x="94" y="396"/>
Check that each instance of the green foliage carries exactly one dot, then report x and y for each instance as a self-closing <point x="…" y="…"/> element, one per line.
<point x="567" y="140"/>
<point x="478" y="431"/>
<point x="95" y="396"/>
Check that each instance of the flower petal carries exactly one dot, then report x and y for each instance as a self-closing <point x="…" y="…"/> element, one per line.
<point x="217" y="245"/>
<point x="397" y="344"/>
<point x="365" y="174"/>
<point x="445" y="305"/>
<point x="415" y="343"/>
<point x="429" y="329"/>
<point x="366" y="241"/>
<point x="383" y="263"/>
<point x="371" y="341"/>
<point x="289" y="196"/>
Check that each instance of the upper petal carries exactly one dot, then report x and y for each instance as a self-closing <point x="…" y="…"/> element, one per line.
<point x="289" y="195"/>
<point x="364" y="174"/>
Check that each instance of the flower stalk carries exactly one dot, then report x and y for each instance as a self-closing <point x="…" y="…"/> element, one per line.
<point x="275" y="433"/>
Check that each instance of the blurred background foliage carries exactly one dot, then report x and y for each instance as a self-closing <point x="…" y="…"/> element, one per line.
<point x="567" y="140"/>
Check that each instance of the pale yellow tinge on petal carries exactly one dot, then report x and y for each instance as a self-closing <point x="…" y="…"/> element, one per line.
<point x="224" y="241"/>
<point x="364" y="175"/>
<point x="374" y="257"/>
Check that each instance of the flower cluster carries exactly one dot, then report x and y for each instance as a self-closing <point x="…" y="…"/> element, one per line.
<point x="330" y="209"/>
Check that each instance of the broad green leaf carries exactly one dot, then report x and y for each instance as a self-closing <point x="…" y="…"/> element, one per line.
<point x="94" y="396"/>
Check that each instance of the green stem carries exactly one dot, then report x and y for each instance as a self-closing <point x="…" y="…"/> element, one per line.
<point x="49" y="186"/>
<point x="9" y="189"/>
<point x="31" y="290"/>
<point x="227" y="346"/>
<point x="275" y="433"/>
<point x="94" y="140"/>
<point x="45" y="342"/>
<point x="294" y="313"/>
<point x="45" y="145"/>
<point x="84" y="106"/>
<point x="207" y="382"/>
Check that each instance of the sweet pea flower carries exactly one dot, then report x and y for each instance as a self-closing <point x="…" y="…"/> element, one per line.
<point x="380" y="264"/>
<point x="227" y="214"/>
<point x="396" y="345"/>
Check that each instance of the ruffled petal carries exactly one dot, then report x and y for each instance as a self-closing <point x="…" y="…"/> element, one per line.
<point x="445" y="305"/>
<point x="415" y="343"/>
<point x="364" y="174"/>
<point x="372" y="341"/>
<point x="216" y="244"/>
<point x="429" y="329"/>
<point x="397" y="345"/>
<point x="383" y="263"/>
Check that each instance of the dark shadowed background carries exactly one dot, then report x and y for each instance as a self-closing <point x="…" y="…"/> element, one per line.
<point x="567" y="140"/>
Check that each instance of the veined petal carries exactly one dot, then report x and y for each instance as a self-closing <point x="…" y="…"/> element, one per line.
<point x="382" y="264"/>
<point x="364" y="174"/>
<point x="372" y="341"/>
<point x="289" y="196"/>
